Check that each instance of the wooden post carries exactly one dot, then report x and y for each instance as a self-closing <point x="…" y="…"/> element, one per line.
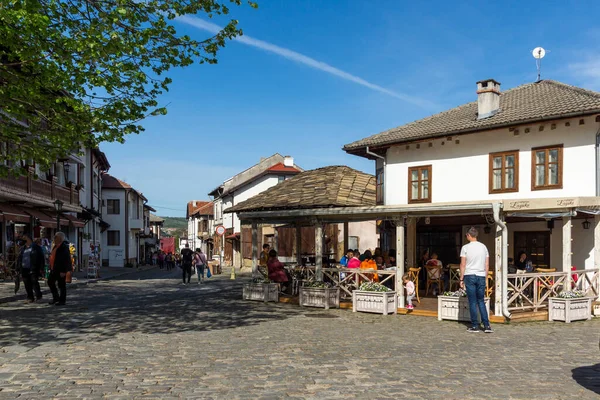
<point x="319" y="252"/>
<point x="346" y="237"/>
<point x="597" y="247"/>
<point x="411" y="242"/>
<point x="498" y="294"/>
<point x="567" y="250"/>
<point x="400" y="260"/>
<point x="298" y="244"/>
<point x="254" y="249"/>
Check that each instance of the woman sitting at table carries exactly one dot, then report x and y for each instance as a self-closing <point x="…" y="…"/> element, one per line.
<point x="277" y="273"/>
<point x="354" y="262"/>
<point x="521" y="262"/>
<point x="369" y="263"/>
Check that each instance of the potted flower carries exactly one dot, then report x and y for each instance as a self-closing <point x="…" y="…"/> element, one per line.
<point x="261" y="289"/>
<point x="570" y="305"/>
<point x="454" y="306"/>
<point x="319" y="294"/>
<point x="375" y="298"/>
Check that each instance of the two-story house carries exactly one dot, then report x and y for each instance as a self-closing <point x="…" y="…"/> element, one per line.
<point x="267" y="173"/>
<point x="522" y="165"/>
<point x="200" y="225"/>
<point x="90" y="195"/>
<point x="123" y="210"/>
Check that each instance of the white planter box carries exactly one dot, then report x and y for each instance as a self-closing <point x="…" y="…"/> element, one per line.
<point x="375" y="302"/>
<point x="320" y="297"/>
<point x="569" y="309"/>
<point x="457" y="308"/>
<point x="261" y="292"/>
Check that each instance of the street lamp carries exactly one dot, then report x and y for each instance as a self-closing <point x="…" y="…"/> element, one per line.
<point x="66" y="167"/>
<point x="58" y="207"/>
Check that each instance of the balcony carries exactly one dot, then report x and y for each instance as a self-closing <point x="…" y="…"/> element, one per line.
<point x="41" y="190"/>
<point x="136" y="224"/>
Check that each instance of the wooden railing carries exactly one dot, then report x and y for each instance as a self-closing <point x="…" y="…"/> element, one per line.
<point x="530" y="291"/>
<point x="47" y="189"/>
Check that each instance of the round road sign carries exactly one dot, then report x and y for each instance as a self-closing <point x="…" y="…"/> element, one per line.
<point x="220" y="230"/>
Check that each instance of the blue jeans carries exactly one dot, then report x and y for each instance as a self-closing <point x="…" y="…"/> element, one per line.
<point x="200" y="271"/>
<point x="475" y="286"/>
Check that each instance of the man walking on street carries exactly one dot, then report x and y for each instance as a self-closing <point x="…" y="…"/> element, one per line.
<point x="186" y="263"/>
<point x="474" y="267"/>
<point x="60" y="264"/>
<point x="31" y="263"/>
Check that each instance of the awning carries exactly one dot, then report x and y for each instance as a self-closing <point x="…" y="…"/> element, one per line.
<point x="588" y="211"/>
<point x="77" y="223"/>
<point x="12" y="213"/>
<point x="41" y="218"/>
<point x="542" y="215"/>
<point x="233" y="236"/>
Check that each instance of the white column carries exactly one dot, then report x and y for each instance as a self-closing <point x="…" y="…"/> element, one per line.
<point x="400" y="261"/>
<point x="597" y="247"/>
<point x="319" y="252"/>
<point x="254" y="248"/>
<point x="298" y="244"/>
<point x="567" y="250"/>
<point x="498" y="294"/>
<point x="411" y="242"/>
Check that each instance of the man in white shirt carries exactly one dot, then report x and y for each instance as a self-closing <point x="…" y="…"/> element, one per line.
<point x="474" y="267"/>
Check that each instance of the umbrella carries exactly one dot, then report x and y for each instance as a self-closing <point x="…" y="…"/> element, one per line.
<point x="17" y="283"/>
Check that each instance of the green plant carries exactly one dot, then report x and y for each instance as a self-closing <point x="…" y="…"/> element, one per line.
<point x="317" y="284"/>
<point x="458" y="293"/>
<point x="261" y="280"/>
<point x="571" y="294"/>
<point x="373" y="287"/>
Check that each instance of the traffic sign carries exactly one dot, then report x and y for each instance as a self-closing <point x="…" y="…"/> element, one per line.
<point x="220" y="230"/>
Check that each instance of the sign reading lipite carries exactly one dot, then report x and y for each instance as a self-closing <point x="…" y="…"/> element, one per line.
<point x="220" y="230"/>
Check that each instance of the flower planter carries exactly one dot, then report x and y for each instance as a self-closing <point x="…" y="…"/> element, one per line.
<point x="568" y="310"/>
<point x="375" y="302"/>
<point x="457" y="308"/>
<point x="320" y="297"/>
<point x="261" y="292"/>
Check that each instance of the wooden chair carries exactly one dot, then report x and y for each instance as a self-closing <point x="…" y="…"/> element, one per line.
<point x="545" y="282"/>
<point x="454" y="276"/>
<point x="413" y="274"/>
<point x="489" y="284"/>
<point x="434" y="275"/>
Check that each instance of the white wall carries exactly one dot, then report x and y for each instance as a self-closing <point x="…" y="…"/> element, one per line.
<point x="116" y="221"/>
<point x="460" y="172"/>
<point x="250" y="190"/>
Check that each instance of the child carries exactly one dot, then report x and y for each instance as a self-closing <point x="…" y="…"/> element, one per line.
<point x="410" y="291"/>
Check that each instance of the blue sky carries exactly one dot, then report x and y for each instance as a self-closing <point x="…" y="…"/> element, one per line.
<point x="367" y="67"/>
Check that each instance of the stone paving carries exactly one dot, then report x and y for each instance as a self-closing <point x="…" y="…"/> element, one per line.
<point x="148" y="336"/>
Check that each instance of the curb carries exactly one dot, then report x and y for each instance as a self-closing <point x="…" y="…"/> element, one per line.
<point x="74" y="285"/>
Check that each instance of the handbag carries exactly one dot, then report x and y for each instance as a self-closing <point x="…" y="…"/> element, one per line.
<point x="208" y="274"/>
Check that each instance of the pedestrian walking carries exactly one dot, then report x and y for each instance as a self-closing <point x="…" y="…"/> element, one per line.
<point x="474" y="267"/>
<point x="31" y="263"/>
<point x="161" y="260"/>
<point x="201" y="264"/>
<point x="187" y="257"/>
<point x="169" y="261"/>
<point x="60" y="264"/>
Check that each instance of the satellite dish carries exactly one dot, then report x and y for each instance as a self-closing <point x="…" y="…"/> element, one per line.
<point x="538" y="52"/>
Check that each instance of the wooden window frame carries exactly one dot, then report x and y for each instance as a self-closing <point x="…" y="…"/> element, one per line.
<point x="108" y="210"/>
<point x="503" y="154"/>
<point x="419" y="168"/>
<point x="379" y="185"/>
<point x="118" y="238"/>
<point x="546" y="186"/>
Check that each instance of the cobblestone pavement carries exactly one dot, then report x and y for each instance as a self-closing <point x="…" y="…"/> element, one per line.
<point x="155" y="338"/>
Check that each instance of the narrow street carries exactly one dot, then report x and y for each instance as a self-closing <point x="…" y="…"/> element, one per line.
<point x="151" y="337"/>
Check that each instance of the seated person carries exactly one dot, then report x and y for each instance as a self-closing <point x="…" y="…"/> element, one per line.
<point x="346" y="258"/>
<point x="522" y="260"/>
<point x="277" y="273"/>
<point x="436" y="274"/>
<point x="354" y="261"/>
<point x="379" y="262"/>
<point x="369" y="263"/>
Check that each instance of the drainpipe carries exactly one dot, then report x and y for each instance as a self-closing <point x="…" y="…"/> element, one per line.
<point x="384" y="177"/>
<point x="598" y="163"/>
<point x="496" y="210"/>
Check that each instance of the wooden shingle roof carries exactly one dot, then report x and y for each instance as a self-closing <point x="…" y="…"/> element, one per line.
<point x="528" y="103"/>
<point x="334" y="186"/>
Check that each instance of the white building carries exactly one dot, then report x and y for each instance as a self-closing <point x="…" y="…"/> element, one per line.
<point x="256" y="179"/>
<point x="200" y="217"/>
<point x="123" y="210"/>
<point x="522" y="165"/>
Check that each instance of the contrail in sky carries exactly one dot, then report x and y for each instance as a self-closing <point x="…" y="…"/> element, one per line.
<point x="302" y="59"/>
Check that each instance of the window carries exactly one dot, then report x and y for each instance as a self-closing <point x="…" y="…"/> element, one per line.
<point x="379" y="176"/>
<point x="113" y="238"/>
<point x="113" y="206"/>
<point x="419" y="184"/>
<point x="280" y="178"/>
<point x="546" y="167"/>
<point x="504" y="172"/>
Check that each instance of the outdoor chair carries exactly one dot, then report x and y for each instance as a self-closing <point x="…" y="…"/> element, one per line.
<point x="413" y="275"/>
<point x="544" y="282"/>
<point x="454" y="276"/>
<point x="489" y="284"/>
<point x="434" y="275"/>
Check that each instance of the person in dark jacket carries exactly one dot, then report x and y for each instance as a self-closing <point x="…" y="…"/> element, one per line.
<point x="31" y="264"/>
<point x="60" y="264"/>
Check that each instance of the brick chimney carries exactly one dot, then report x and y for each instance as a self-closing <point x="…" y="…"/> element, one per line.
<point x="488" y="98"/>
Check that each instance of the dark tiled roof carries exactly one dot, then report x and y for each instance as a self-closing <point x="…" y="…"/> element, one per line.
<point x="335" y="186"/>
<point x="527" y="103"/>
<point x="110" y="182"/>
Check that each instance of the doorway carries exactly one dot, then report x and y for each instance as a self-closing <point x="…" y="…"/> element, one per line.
<point x="536" y="245"/>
